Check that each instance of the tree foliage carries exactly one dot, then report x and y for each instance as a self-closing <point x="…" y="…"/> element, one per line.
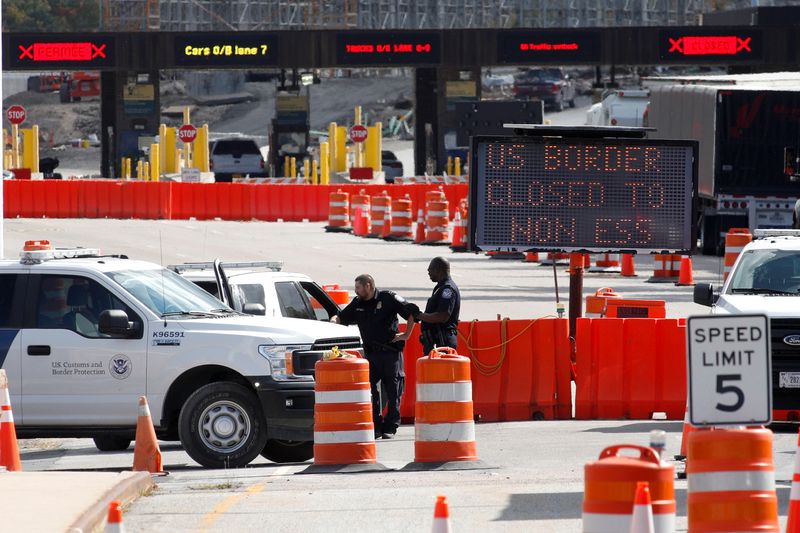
<point x="51" y="15"/>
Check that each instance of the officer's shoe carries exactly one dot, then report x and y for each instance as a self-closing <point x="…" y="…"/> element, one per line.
<point x="378" y="434"/>
<point x="388" y="435"/>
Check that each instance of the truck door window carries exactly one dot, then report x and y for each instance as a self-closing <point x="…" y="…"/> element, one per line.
<point x="250" y="293"/>
<point x="324" y="308"/>
<point x="209" y="286"/>
<point x="7" y="284"/>
<point x="292" y="301"/>
<point x="75" y="303"/>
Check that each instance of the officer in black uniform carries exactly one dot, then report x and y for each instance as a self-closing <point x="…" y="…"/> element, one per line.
<point x="375" y="312"/>
<point x="439" y="322"/>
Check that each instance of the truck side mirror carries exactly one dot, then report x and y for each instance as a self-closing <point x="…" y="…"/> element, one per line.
<point x="704" y="294"/>
<point x="114" y="322"/>
<point x="254" y="309"/>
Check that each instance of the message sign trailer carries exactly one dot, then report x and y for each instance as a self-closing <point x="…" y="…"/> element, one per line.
<point x="729" y="370"/>
<point x="582" y="189"/>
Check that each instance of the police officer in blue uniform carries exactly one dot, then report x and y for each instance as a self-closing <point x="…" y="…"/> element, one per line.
<point x="439" y="322"/>
<point x="375" y="312"/>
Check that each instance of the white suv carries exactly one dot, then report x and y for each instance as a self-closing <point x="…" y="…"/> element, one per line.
<point x="82" y="336"/>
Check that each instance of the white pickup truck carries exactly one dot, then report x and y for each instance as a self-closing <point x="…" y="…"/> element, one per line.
<point x="766" y="279"/>
<point x="623" y="107"/>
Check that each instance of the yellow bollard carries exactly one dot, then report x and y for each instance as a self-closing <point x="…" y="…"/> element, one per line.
<point x="293" y="162"/>
<point x="358" y="149"/>
<point x="155" y="163"/>
<point x="15" y="146"/>
<point x="379" y="146"/>
<point x="332" y="129"/>
<point x="314" y="173"/>
<point x="287" y="167"/>
<point x="7" y="159"/>
<point x="457" y="169"/>
<point x="307" y="170"/>
<point x="162" y="148"/>
<point x="30" y="156"/>
<point x="341" y="149"/>
<point x="371" y="157"/>
<point x="324" y="160"/>
<point x="449" y="165"/>
<point x="178" y="159"/>
<point x="201" y="154"/>
<point x="139" y="169"/>
<point x="146" y="171"/>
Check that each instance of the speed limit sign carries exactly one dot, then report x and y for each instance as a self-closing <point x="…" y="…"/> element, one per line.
<point x="730" y="370"/>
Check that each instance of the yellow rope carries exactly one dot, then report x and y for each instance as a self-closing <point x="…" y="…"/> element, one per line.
<point x="494" y="368"/>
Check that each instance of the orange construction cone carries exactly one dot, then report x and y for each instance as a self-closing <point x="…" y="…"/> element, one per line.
<point x="9" y="449"/>
<point x="628" y="269"/>
<point x="114" y="522"/>
<point x="420" y="236"/>
<point x="793" y="524"/>
<point x="146" y="453"/>
<point x="687" y="428"/>
<point x="642" y="519"/>
<point x="685" y="276"/>
<point x="441" y="516"/>
<point x="532" y="257"/>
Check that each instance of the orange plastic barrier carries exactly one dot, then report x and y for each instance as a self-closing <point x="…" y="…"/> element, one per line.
<point x="402" y="221"/>
<point x="636" y="309"/>
<point x="630" y="368"/>
<point x="596" y="305"/>
<point x="343" y="430"/>
<point x="735" y="240"/>
<point x="444" y="429"/>
<point x="731" y="481"/>
<point x="610" y="486"/>
<point x="520" y="369"/>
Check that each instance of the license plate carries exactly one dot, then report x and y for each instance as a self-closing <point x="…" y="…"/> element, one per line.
<point x="789" y="380"/>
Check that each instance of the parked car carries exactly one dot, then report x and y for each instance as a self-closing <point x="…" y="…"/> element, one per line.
<point x="550" y="85"/>
<point x="620" y="108"/>
<point x="392" y="167"/>
<point x="236" y="157"/>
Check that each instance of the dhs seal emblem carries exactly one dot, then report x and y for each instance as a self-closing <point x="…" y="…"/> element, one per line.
<point x="120" y="366"/>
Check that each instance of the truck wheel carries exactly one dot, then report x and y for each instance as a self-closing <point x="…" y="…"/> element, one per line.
<point x="221" y="426"/>
<point x="288" y="451"/>
<point x="111" y="443"/>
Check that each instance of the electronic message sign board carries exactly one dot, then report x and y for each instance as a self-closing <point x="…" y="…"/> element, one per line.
<point x="225" y="50"/>
<point x="593" y="194"/>
<point x="703" y="45"/>
<point x="532" y="46"/>
<point x="382" y="48"/>
<point x="43" y="51"/>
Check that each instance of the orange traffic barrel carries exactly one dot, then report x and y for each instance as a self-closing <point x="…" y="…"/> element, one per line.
<point x="343" y="430"/>
<point x="401" y="227"/>
<point x="596" y="305"/>
<point x="339" y="212"/>
<point x="437" y="222"/>
<point x="675" y="266"/>
<point x="735" y="241"/>
<point x="609" y="488"/>
<point x="361" y="200"/>
<point x="460" y="241"/>
<point x="444" y="427"/>
<point x="662" y="270"/>
<point x="608" y="263"/>
<point x="381" y="206"/>
<point x="557" y="258"/>
<point x="731" y="481"/>
<point x="337" y="294"/>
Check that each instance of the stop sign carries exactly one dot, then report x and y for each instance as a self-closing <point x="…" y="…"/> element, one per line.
<point x="358" y="134"/>
<point x="187" y="133"/>
<point x="16" y="114"/>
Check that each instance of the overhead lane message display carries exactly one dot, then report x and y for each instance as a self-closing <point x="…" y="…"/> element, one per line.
<point x="225" y="50"/>
<point x="517" y="46"/>
<point x="373" y="48"/>
<point x="710" y="44"/>
<point x="582" y="194"/>
<point x="43" y="51"/>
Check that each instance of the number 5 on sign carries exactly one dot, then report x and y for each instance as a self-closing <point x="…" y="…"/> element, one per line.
<point x="730" y="370"/>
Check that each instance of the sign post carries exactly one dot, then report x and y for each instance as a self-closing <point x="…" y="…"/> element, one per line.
<point x="729" y="370"/>
<point x="16" y="115"/>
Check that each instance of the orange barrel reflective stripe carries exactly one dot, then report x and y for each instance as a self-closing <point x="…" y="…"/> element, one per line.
<point x="360" y="200"/>
<point x="606" y="263"/>
<point x="343" y="430"/>
<point x="339" y="212"/>
<point x="338" y="295"/>
<point x="731" y="480"/>
<point x="444" y="428"/>
<point x="675" y="266"/>
<point x="402" y="221"/>
<point x="381" y="206"/>
<point x="735" y="241"/>
<point x="662" y="270"/>
<point x="610" y="486"/>
<point x="596" y="305"/>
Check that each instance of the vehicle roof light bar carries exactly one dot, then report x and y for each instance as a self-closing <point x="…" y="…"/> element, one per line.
<point x="764" y="233"/>
<point x="274" y="266"/>
<point x="32" y="257"/>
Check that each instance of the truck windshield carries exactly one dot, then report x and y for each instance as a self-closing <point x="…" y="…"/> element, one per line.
<point x="767" y="272"/>
<point x="165" y="292"/>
